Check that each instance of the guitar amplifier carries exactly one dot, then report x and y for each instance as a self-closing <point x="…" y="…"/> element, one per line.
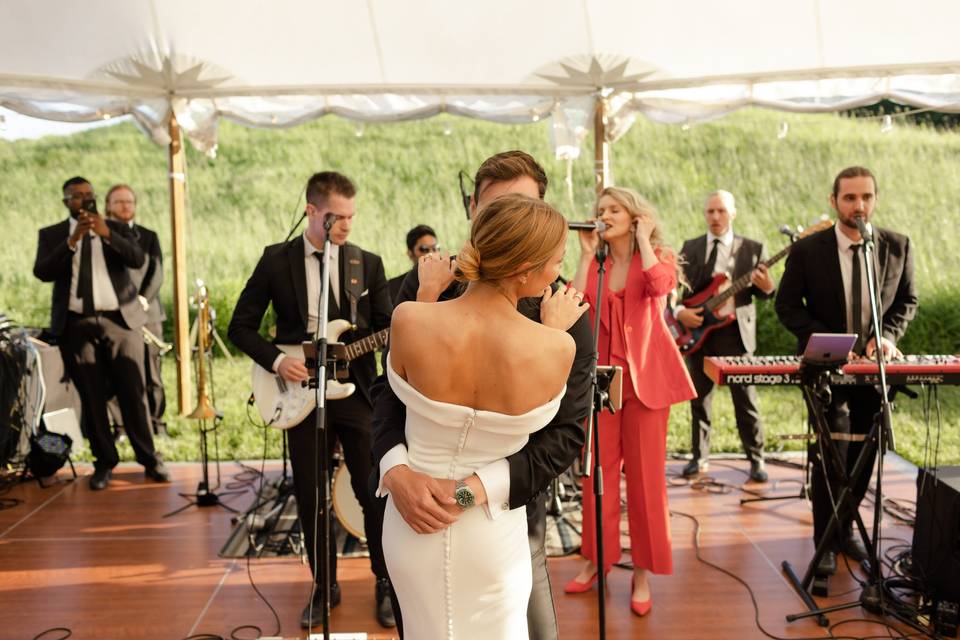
<point x="936" y="535"/>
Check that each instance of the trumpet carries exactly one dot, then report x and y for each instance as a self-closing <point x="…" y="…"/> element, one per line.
<point x="205" y="409"/>
<point x="152" y="339"/>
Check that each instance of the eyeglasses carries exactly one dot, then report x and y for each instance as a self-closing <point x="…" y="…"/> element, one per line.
<point x="428" y="248"/>
<point x="80" y="196"/>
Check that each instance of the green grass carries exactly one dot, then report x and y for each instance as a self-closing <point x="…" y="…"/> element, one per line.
<point x="406" y="173"/>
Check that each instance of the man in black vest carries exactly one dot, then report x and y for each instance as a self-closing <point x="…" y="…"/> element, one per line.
<point x="288" y="277"/>
<point x="521" y="479"/>
<point x="122" y="206"/>
<point x="720" y="251"/>
<point x="824" y="290"/>
<point x="97" y="318"/>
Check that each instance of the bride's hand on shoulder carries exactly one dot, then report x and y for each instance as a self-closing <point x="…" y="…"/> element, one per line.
<point x="562" y="309"/>
<point x="422" y="501"/>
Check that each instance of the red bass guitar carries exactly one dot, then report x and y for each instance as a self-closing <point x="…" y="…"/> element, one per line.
<point x="714" y="297"/>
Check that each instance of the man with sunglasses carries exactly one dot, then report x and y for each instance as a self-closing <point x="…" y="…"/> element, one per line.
<point x="97" y="318"/>
<point x="421" y="241"/>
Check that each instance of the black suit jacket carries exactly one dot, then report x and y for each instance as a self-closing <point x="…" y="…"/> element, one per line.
<point x="54" y="263"/>
<point x="746" y="254"/>
<point x="149" y="277"/>
<point x="811" y="297"/>
<point x="548" y="453"/>
<point x="280" y="279"/>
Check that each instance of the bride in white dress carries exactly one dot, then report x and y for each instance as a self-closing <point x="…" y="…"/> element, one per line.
<point x="477" y="378"/>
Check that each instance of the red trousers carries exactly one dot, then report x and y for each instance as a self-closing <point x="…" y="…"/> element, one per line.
<point x="635" y="440"/>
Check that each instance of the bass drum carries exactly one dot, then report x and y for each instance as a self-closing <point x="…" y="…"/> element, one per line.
<point x="345" y="504"/>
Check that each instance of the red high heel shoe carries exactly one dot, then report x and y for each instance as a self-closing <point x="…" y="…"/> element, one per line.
<point x="575" y="586"/>
<point x="639" y="608"/>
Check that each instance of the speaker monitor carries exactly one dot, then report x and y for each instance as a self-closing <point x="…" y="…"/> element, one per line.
<point x="936" y="536"/>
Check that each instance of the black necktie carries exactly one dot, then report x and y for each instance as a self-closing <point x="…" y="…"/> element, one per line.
<point x="332" y="307"/>
<point x="85" y="277"/>
<point x="857" y="292"/>
<point x="712" y="258"/>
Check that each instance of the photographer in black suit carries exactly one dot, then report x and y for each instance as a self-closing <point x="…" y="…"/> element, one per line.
<point x="97" y="319"/>
<point x="824" y="290"/>
<point x="122" y="206"/>
<point x="288" y="276"/>
<point x="521" y="479"/>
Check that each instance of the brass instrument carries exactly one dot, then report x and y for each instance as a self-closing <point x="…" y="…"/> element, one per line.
<point x="204" y="410"/>
<point x="152" y="339"/>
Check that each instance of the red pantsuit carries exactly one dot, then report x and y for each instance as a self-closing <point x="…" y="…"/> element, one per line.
<point x="634" y="335"/>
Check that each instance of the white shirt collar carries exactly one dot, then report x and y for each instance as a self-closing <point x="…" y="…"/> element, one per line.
<point x="843" y="241"/>
<point x="726" y="239"/>
<point x="309" y="249"/>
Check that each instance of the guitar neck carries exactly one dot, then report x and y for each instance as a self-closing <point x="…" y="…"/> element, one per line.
<point x="366" y="345"/>
<point x="743" y="281"/>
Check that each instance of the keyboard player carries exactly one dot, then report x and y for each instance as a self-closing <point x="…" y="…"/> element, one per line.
<point x="824" y="290"/>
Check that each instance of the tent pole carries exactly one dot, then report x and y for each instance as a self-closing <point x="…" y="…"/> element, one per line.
<point x="601" y="148"/>
<point x="178" y="180"/>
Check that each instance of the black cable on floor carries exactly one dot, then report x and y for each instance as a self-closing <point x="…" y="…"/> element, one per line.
<point x="42" y="635"/>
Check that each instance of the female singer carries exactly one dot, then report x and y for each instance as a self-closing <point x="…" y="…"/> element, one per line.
<point x="641" y="272"/>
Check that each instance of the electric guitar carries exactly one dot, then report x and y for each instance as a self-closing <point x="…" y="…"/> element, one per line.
<point x="283" y="404"/>
<point x="714" y="297"/>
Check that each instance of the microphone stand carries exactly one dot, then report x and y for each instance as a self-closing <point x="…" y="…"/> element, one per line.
<point x="319" y="384"/>
<point x="592" y="447"/>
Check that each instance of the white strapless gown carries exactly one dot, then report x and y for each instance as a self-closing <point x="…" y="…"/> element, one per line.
<point x="472" y="580"/>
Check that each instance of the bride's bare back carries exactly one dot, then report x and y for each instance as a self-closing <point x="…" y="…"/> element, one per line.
<point x="477" y="352"/>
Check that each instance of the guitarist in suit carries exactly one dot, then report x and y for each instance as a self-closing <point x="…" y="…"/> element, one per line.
<point x="122" y="206"/>
<point x="720" y="251"/>
<point x="97" y="318"/>
<point x="288" y="277"/>
<point x="824" y="290"/>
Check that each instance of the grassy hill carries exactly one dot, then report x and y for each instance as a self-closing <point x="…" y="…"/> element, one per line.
<point x="406" y="173"/>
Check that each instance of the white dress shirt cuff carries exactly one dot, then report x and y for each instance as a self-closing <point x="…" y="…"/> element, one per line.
<point x="395" y="457"/>
<point x="495" y="478"/>
<point x="276" y="363"/>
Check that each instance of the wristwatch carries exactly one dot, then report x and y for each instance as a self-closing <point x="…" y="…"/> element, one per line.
<point x="464" y="495"/>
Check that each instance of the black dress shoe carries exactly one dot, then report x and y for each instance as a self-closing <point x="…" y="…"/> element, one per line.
<point x="312" y="615"/>
<point x="828" y="564"/>
<point x="758" y="471"/>
<point x="853" y="547"/>
<point x="100" y="479"/>
<point x="384" y="606"/>
<point x="158" y="473"/>
<point x="695" y="467"/>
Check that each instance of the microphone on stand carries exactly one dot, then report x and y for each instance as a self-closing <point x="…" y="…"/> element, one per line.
<point x="788" y="231"/>
<point x="865" y="228"/>
<point x="595" y="225"/>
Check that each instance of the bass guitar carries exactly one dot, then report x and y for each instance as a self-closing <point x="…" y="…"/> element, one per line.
<point x="714" y="298"/>
<point x="283" y="404"/>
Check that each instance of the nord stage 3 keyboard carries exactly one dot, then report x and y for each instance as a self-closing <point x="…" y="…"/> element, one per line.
<point x="775" y="370"/>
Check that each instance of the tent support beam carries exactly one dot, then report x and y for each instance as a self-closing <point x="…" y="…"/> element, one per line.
<point x="178" y="181"/>
<point x="601" y="148"/>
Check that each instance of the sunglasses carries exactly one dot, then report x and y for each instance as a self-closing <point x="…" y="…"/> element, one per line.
<point x="427" y="248"/>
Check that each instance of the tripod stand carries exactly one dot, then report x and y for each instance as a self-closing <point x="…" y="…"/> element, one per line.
<point x="205" y="413"/>
<point x="804" y="493"/>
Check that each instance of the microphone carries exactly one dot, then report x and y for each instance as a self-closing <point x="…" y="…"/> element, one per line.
<point x="788" y="231"/>
<point x="596" y="225"/>
<point x="866" y="229"/>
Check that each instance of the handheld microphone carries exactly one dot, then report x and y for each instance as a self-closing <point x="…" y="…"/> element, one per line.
<point x="596" y="225"/>
<point x="865" y="228"/>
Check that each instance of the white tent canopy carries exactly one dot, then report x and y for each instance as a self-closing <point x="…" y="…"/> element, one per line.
<point x="281" y="63"/>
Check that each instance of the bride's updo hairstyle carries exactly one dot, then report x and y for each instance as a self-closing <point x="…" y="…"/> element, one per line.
<point x="512" y="234"/>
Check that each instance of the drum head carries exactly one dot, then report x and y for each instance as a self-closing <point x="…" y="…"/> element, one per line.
<point x="345" y="504"/>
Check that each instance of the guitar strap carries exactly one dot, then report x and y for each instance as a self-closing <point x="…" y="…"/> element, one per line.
<point x="353" y="283"/>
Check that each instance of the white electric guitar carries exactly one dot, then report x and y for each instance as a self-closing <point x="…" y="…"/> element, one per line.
<point x="283" y="404"/>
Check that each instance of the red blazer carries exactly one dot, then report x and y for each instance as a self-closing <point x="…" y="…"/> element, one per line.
<point x="660" y="377"/>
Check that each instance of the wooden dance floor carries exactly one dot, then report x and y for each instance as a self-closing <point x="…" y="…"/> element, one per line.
<point x="106" y="565"/>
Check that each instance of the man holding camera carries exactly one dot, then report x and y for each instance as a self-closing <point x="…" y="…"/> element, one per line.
<point x="97" y="318"/>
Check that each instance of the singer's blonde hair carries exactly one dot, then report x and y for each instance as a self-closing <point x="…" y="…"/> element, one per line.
<point x="636" y="205"/>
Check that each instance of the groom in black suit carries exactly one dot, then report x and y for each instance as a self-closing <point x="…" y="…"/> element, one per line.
<point x="288" y="277"/>
<point x="824" y="290"/>
<point x="97" y="318"/>
<point x="521" y="479"/>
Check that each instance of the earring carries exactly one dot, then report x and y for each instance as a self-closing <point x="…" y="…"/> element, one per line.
<point x="523" y="279"/>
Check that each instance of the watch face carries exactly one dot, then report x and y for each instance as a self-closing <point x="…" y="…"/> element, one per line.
<point x="465" y="497"/>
